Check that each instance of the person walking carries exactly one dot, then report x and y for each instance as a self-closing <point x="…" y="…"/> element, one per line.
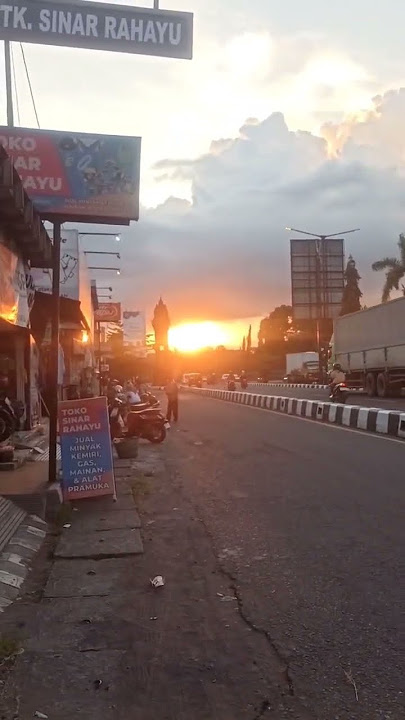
<point x="172" y="392"/>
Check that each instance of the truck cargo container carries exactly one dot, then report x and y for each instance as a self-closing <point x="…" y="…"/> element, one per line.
<point x="370" y="346"/>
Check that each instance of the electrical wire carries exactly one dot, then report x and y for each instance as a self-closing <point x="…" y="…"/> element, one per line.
<point x="29" y="84"/>
<point x="17" y="104"/>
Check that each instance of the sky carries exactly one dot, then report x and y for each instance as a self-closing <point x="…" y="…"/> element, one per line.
<point x="289" y="114"/>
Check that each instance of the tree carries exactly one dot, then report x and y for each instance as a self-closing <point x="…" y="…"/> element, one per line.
<point x="351" y="293"/>
<point x="249" y="339"/>
<point x="274" y="327"/>
<point x="244" y="344"/>
<point x="395" y="270"/>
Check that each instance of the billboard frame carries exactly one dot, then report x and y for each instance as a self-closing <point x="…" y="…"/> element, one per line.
<point x="93" y="25"/>
<point x="319" y="278"/>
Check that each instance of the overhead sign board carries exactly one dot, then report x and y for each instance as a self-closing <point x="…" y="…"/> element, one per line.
<point x="77" y="177"/>
<point x="134" y="327"/>
<point x="317" y="278"/>
<point x="108" y="312"/>
<point x="99" y="26"/>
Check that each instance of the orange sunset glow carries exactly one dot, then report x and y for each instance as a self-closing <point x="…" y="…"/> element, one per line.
<point x="194" y="336"/>
<point x="191" y="337"/>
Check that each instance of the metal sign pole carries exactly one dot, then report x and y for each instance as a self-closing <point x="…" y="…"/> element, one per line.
<point x="9" y="89"/>
<point x="99" y="354"/>
<point x="54" y="353"/>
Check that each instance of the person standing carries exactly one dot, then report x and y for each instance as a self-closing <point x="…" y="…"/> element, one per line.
<point x="172" y="392"/>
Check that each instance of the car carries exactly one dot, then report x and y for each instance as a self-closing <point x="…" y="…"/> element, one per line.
<point x="195" y="380"/>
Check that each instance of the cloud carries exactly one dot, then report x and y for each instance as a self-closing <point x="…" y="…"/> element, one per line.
<point x="225" y="254"/>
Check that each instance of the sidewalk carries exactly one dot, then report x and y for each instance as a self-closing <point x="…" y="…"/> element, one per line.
<point x="102" y="643"/>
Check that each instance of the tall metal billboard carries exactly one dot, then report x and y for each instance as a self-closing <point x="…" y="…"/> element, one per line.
<point x="99" y="26"/>
<point x="317" y="278"/>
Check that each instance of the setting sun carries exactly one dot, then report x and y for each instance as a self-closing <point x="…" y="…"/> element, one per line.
<point x="191" y="337"/>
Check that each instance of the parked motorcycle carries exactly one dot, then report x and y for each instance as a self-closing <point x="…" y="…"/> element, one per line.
<point x="338" y="393"/>
<point x="117" y="413"/>
<point x="147" y="422"/>
<point x="11" y="413"/>
<point x="150" y="399"/>
<point x="143" y="420"/>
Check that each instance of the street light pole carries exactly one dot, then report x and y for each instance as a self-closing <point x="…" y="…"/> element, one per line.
<point x="99" y="267"/>
<point x="320" y="283"/>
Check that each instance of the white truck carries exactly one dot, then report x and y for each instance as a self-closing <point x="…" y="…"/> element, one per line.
<point x="370" y="346"/>
<point x="302" y="367"/>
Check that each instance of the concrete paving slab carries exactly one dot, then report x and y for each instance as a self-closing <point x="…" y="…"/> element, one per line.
<point x="104" y="544"/>
<point x="86" y="578"/>
<point x="123" y="472"/>
<point x="124" y="502"/>
<point x="94" y="505"/>
<point x="119" y="464"/>
<point x="81" y="624"/>
<point x="82" y="522"/>
<point x="124" y="486"/>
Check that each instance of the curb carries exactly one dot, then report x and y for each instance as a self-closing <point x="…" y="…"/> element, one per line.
<point x="309" y="386"/>
<point x="374" y="420"/>
<point x="16" y="558"/>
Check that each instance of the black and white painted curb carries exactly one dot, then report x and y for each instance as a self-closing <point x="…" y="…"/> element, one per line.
<point x="16" y="558"/>
<point x="387" y="422"/>
<point x="311" y="386"/>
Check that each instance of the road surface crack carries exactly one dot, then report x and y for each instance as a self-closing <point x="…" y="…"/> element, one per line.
<point x="285" y="672"/>
<point x="283" y="661"/>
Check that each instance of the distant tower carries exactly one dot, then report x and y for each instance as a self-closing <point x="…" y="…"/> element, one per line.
<point x="161" y="325"/>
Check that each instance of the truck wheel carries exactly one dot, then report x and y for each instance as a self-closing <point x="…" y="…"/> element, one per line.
<point x="370" y="388"/>
<point x="383" y="387"/>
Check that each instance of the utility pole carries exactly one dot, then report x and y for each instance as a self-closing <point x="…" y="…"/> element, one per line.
<point x="54" y="349"/>
<point x="320" y="286"/>
<point x="54" y="354"/>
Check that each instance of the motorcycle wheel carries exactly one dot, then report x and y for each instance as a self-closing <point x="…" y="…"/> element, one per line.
<point x="7" y="425"/>
<point x="157" y="434"/>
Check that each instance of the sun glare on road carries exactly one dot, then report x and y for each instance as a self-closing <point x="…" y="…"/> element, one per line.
<point x="190" y="337"/>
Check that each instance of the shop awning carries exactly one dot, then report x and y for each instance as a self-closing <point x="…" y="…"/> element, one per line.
<point x="41" y="313"/>
<point x="20" y="219"/>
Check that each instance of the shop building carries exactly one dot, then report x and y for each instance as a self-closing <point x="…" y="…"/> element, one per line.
<point x="24" y="245"/>
<point x="76" y="330"/>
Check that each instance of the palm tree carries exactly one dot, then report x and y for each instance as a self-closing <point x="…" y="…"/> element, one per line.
<point x="395" y="270"/>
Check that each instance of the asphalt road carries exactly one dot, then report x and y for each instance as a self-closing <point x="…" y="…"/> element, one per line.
<point x="355" y="398"/>
<point x="306" y="521"/>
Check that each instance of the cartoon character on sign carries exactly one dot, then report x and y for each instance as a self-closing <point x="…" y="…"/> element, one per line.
<point x="80" y="158"/>
<point x="68" y="265"/>
<point x="92" y="180"/>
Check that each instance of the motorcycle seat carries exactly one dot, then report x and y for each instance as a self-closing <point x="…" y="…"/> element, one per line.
<point x="139" y="407"/>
